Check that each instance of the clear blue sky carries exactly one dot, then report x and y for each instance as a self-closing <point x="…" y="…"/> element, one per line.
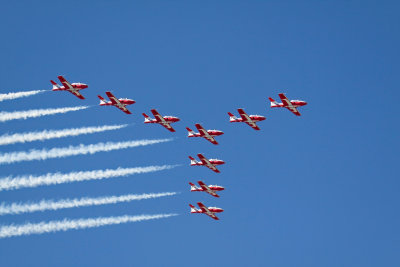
<point x="317" y="190"/>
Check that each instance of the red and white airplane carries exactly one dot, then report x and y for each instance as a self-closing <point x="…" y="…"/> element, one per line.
<point x="210" y="211"/>
<point x="210" y="189"/>
<point x="291" y="105"/>
<point x="207" y="134"/>
<point x="248" y="119"/>
<point x="120" y="103"/>
<point x="209" y="163"/>
<point x="70" y="87"/>
<point x="164" y="121"/>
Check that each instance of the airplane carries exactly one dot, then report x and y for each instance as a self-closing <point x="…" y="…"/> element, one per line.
<point x="120" y="103"/>
<point x="291" y="105"/>
<point x="248" y="119"/>
<point x="207" y="134"/>
<point x="70" y="87"/>
<point x="210" y="189"/>
<point x="164" y="121"/>
<point x="210" y="211"/>
<point x="209" y="163"/>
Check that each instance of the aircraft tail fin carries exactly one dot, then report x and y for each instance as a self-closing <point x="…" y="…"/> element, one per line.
<point x="193" y="187"/>
<point x="232" y="117"/>
<point x="193" y="209"/>
<point x="55" y="85"/>
<point x="193" y="161"/>
<point x="191" y="133"/>
<point x="273" y="103"/>
<point x="146" y="118"/>
<point x="102" y="100"/>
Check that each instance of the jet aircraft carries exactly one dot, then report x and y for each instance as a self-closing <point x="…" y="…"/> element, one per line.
<point x="210" y="211"/>
<point x="209" y="163"/>
<point x="207" y="134"/>
<point x="164" y="121"/>
<point x="291" y="105"/>
<point x="210" y="189"/>
<point x="248" y="119"/>
<point x="120" y="103"/>
<point x="70" y="87"/>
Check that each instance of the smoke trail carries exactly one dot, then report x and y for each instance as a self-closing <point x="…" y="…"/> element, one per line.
<point x="33" y="113"/>
<point x="51" y="134"/>
<point x="15" y="95"/>
<point x="10" y="183"/>
<point x="17" y="208"/>
<point x="68" y="224"/>
<point x="62" y="152"/>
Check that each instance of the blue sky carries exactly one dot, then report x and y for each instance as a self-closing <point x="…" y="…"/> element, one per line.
<point x="318" y="190"/>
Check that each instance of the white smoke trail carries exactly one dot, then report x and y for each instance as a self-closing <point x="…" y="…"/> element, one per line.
<point x="17" y="208"/>
<point x="51" y="134"/>
<point x="29" y="181"/>
<point x="33" y="113"/>
<point x="68" y="224"/>
<point x="62" y="152"/>
<point x="15" y="95"/>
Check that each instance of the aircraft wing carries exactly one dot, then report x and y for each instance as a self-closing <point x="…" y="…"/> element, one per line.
<point x="211" y="139"/>
<point x="207" y="163"/>
<point x="201" y="129"/>
<point x="294" y="111"/>
<point x="205" y="134"/>
<point x="157" y="115"/>
<point x="207" y="189"/>
<point x="207" y="211"/>
<point x="247" y="119"/>
<point x="285" y="101"/>
<point x="160" y="119"/>
<point x="253" y="125"/>
<point x="212" y="167"/>
<point x="113" y="99"/>
<point x="64" y="82"/>
<point x="76" y="93"/>
<point x="124" y="109"/>
<point x="287" y="104"/>
<point x="168" y="126"/>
